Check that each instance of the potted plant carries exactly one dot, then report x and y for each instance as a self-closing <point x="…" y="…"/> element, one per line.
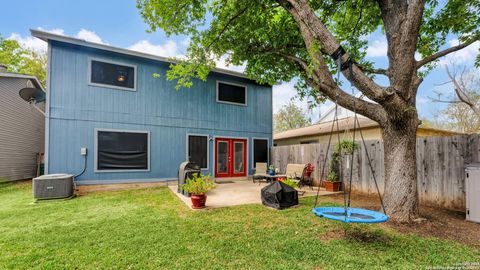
<point x="198" y="187"/>
<point x="271" y="170"/>
<point x="332" y="184"/>
<point x="344" y="147"/>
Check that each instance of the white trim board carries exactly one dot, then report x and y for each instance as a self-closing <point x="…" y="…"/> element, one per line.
<point x="95" y="150"/>
<point x="46" y="150"/>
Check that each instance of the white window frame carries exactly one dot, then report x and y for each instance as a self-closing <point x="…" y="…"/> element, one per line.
<point x="89" y="74"/>
<point x="234" y="84"/>
<point x="208" y="148"/>
<point x="253" y="149"/>
<point x="95" y="149"/>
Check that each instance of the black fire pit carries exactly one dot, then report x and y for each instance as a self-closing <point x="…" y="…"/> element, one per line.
<point x="279" y="195"/>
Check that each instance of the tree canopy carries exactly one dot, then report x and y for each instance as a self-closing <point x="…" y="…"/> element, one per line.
<point x="290" y="116"/>
<point x="220" y="28"/>
<point x="22" y="60"/>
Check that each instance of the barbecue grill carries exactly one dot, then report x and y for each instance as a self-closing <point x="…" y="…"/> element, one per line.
<point x="186" y="171"/>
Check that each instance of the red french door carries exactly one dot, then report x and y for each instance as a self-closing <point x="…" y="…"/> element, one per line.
<point x="230" y="157"/>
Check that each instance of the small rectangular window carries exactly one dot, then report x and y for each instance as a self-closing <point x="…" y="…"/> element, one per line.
<point x="231" y="93"/>
<point x="112" y="75"/>
<point x="122" y="150"/>
<point x="198" y="150"/>
<point x="260" y="151"/>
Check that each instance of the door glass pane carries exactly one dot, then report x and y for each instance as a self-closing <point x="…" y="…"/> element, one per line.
<point x="222" y="157"/>
<point x="238" y="157"/>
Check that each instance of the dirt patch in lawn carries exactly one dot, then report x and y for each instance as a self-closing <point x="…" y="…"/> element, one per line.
<point x="434" y="222"/>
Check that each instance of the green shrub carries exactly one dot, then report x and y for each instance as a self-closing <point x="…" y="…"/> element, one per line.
<point x="290" y="182"/>
<point x="332" y="176"/>
<point x="199" y="184"/>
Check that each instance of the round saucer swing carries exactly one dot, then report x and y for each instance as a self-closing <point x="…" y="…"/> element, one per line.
<point x="348" y="214"/>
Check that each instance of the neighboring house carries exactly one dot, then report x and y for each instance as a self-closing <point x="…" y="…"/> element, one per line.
<point x="320" y="133"/>
<point x="21" y="128"/>
<point x="136" y="127"/>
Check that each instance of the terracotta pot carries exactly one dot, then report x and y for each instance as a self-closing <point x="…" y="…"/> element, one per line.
<point x="333" y="186"/>
<point x="198" y="201"/>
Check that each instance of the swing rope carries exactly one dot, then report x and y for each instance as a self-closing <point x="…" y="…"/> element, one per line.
<point x="337" y="57"/>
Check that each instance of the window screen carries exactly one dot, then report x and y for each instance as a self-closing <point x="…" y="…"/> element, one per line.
<point x="231" y="93"/>
<point x="197" y="150"/>
<point x="260" y="151"/>
<point x="112" y="74"/>
<point x="122" y="150"/>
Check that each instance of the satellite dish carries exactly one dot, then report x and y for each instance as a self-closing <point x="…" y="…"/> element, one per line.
<point x="33" y="96"/>
<point x="30" y="95"/>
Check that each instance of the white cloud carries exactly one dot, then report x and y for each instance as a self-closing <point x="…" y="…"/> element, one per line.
<point x="39" y="45"/>
<point x="378" y="48"/>
<point x="464" y="56"/>
<point x="34" y="43"/>
<point x="222" y="63"/>
<point x="90" y="36"/>
<point x="168" y="49"/>
<point x="282" y="94"/>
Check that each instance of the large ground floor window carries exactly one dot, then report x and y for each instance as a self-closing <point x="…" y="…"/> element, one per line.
<point x="118" y="150"/>
<point x="260" y="151"/>
<point x="197" y="149"/>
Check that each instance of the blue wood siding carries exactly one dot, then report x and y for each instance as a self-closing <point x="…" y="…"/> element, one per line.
<point x="77" y="109"/>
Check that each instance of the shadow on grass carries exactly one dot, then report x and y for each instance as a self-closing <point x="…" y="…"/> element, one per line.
<point x="366" y="236"/>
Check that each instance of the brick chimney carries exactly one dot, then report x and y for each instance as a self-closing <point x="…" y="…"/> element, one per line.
<point x="3" y="68"/>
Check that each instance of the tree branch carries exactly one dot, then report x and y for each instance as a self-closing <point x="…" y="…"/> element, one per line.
<point x="315" y="33"/>
<point x="444" y="101"/>
<point x="325" y="84"/>
<point x="379" y="71"/>
<point x="462" y="94"/>
<point x="439" y="54"/>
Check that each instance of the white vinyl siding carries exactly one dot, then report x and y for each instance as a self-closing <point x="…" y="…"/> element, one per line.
<point x="22" y="130"/>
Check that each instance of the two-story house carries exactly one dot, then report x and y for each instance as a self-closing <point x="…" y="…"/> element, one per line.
<point x="109" y="119"/>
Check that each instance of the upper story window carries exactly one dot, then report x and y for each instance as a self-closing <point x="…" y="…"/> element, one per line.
<point x="231" y="93"/>
<point x="112" y="75"/>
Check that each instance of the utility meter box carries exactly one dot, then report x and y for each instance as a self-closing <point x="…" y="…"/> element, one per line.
<point x="472" y="187"/>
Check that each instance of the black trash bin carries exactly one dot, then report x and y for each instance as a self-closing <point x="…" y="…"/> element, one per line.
<point x="186" y="171"/>
<point x="279" y="195"/>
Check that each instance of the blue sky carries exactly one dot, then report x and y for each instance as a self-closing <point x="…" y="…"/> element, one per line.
<point x="118" y="23"/>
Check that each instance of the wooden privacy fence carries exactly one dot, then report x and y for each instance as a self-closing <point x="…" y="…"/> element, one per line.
<point x="440" y="166"/>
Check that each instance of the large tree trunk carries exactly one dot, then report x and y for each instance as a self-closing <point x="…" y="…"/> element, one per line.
<point x="401" y="198"/>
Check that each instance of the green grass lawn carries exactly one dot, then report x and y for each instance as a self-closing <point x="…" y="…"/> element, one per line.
<point x="152" y="229"/>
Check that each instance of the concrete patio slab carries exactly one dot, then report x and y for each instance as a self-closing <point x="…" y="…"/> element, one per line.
<point x="239" y="192"/>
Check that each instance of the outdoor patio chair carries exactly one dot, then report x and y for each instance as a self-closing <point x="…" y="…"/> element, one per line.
<point x="295" y="172"/>
<point x="260" y="171"/>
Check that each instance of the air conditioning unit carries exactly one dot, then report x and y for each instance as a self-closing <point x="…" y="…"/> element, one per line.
<point x="472" y="179"/>
<point x="53" y="186"/>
